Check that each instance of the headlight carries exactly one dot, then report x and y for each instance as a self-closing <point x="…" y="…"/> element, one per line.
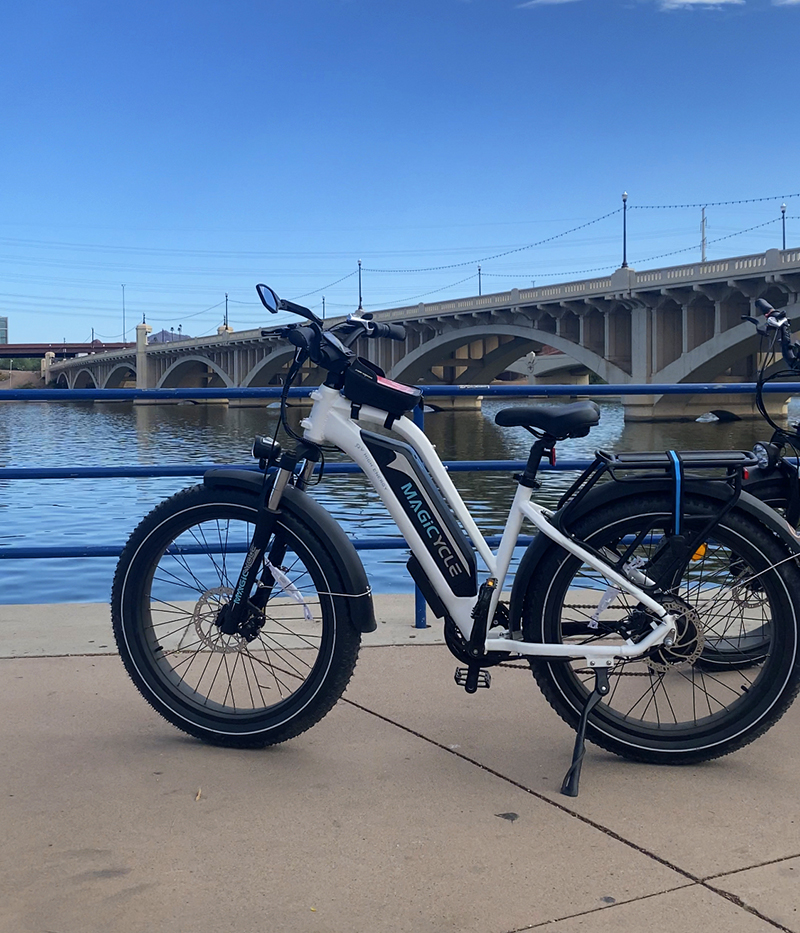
<point x="767" y="455"/>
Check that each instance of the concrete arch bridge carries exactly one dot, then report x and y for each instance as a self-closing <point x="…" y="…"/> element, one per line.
<point x="671" y="325"/>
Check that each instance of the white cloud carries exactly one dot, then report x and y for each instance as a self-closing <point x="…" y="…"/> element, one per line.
<point x="701" y="4"/>
<point x="786" y="2"/>
<point x="522" y="6"/>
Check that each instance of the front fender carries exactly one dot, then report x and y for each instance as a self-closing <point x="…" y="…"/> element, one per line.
<point x="605" y="493"/>
<point x="355" y="600"/>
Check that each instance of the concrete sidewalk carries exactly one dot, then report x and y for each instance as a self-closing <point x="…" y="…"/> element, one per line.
<point x="410" y="807"/>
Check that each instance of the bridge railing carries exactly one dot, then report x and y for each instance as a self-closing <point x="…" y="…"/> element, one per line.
<point x="17" y="552"/>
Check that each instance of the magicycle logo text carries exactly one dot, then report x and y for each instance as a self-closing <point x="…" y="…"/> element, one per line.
<point x="440" y="544"/>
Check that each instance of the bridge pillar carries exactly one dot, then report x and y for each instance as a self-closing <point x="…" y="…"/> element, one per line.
<point x="142" y="370"/>
<point x="47" y="362"/>
<point x="641" y="361"/>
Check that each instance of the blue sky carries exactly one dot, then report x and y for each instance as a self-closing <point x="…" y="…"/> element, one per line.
<point x="190" y="148"/>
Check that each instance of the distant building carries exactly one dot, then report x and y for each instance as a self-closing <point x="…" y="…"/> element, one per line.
<point x="3" y="330"/>
<point x="167" y="336"/>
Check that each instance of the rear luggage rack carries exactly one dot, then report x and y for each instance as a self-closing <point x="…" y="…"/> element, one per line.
<point x="664" y="461"/>
<point x="654" y="465"/>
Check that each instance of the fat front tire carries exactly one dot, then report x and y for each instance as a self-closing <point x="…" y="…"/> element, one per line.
<point x="673" y="707"/>
<point x="179" y="569"/>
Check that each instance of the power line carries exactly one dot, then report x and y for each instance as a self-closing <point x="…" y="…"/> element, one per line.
<point x="509" y="252"/>
<point x="435" y="290"/>
<point x="324" y="287"/>
<point x="666" y="207"/>
<point x="686" y="249"/>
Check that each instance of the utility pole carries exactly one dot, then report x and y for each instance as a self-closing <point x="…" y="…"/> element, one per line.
<point x="479" y="281"/>
<point x="703" y="235"/>
<point x="783" y="223"/>
<point x="624" y="229"/>
<point x="359" y="286"/>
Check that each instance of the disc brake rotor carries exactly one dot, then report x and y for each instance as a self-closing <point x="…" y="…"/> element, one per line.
<point x="204" y="618"/>
<point x="689" y="641"/>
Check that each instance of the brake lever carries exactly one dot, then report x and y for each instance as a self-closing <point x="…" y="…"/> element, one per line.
<point x="761" y="328"/>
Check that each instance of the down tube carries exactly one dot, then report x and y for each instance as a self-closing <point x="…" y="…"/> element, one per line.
<point x="347" y="436"/>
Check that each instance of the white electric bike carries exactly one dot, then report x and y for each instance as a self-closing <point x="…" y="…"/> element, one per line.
<point x="238" y="605"/>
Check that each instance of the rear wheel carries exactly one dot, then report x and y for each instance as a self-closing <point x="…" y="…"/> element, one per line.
<point x="176" y="575"/>
<point x="737" y="654"/>
<point x="673" y="706"/>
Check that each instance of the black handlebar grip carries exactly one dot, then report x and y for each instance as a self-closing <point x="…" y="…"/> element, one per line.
<point x="392" y="331"/>
<point x="300" y="337"/>
<point x="764" y="307"/>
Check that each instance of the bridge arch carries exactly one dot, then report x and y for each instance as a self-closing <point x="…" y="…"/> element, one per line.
<point x="84" y="379"/>
<point x="195" y="372"/>
<point x="121" y="377"/>
<point x="708" y="361"/>
<point x="416" y="364"/>
<point x="266" y="370"/>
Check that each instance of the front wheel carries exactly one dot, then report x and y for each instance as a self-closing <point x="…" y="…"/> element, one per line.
<point x="672" y="706"/>
<point x="176" y="575"/>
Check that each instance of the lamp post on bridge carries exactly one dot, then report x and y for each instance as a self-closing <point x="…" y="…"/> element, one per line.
<point x="783" y="223"/>
<point x="624" y="229"/>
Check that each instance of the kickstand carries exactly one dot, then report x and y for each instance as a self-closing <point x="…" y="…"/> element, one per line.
<point x="569" y="787"/>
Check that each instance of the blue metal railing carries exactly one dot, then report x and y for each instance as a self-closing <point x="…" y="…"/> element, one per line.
<point x="375" y="543"/>
<point x="430" y="392"/>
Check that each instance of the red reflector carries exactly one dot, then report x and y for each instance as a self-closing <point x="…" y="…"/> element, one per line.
<point x="745" y="474"/>
<point x="552" y="456"/>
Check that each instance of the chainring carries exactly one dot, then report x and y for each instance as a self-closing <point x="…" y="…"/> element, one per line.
<point x="457" y="644"/>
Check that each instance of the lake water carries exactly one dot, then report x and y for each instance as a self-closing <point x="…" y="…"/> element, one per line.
<point x="104" y="511"/>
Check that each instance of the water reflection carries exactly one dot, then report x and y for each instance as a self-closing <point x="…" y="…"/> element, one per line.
<point x="49" y="512"/>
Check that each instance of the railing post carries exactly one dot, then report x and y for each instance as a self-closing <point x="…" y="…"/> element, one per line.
<point x="420" y="606"/>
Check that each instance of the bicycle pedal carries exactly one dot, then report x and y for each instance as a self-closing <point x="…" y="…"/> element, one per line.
<point x="472" y="678"/>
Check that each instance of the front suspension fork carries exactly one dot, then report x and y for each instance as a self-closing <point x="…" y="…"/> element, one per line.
<point x="234" y="615"/>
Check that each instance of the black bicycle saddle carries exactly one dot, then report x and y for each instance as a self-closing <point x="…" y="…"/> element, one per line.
<point x="560" y="421"/>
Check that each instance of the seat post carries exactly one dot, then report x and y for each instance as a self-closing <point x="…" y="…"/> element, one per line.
<point x="541" y="446"/>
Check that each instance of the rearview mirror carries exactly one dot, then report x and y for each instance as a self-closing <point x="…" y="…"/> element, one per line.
<point x="268" y="298"/>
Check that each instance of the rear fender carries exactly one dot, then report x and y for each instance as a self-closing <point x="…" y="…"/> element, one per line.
<point x="605" y="493"/>
<point x="355" y="600"/>
<point x="779" y="486"/>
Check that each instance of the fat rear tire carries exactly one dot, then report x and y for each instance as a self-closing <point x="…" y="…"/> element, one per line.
<point x="665" y="710"/>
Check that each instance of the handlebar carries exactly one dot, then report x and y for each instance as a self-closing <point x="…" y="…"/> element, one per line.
<point x="776" y="319"/>
<point x="331" y="350"/>
<point x="390" y="331"/>
<point x="324" y="347"/>
<point x="765" y="307"/>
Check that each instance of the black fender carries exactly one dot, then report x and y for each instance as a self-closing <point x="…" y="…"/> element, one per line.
<point x="356" y="595"/>
<point x="604" y="493"/>
<point x="779" y="486"/>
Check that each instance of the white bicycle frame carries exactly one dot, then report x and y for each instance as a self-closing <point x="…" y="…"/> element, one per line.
<point x="331" y="422"/>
